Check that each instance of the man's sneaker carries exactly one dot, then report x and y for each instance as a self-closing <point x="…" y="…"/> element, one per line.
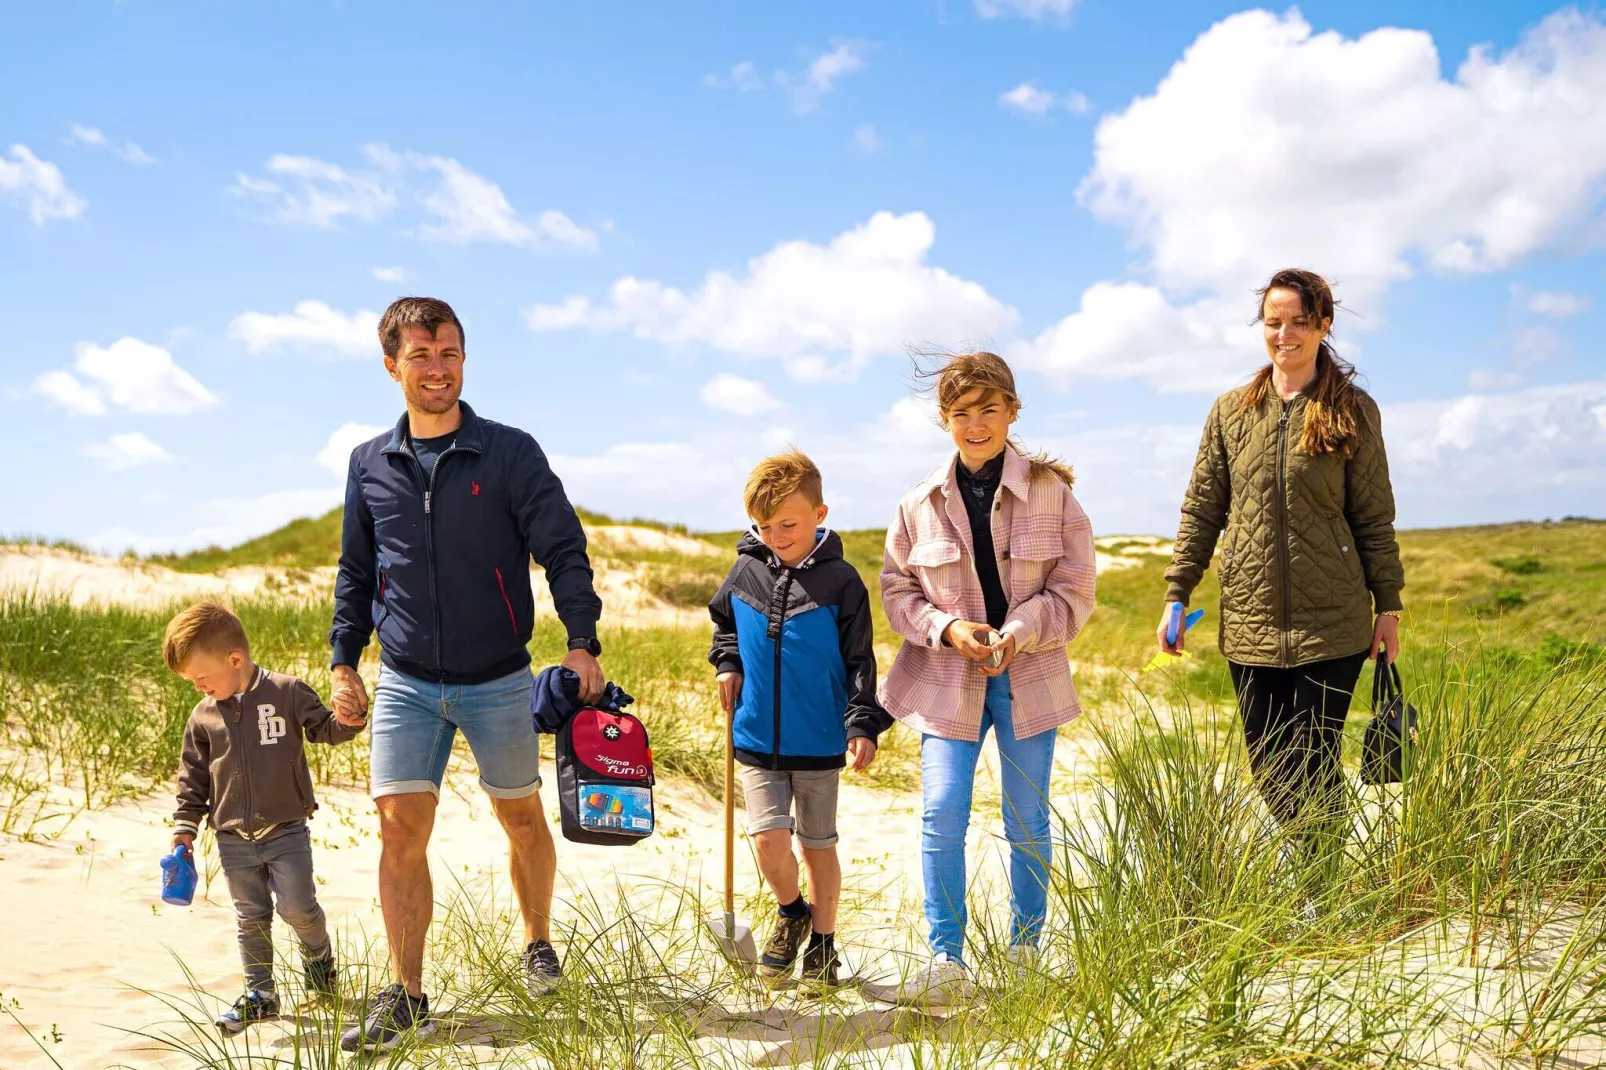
<point x="542" y="971"/>
<point x="252" y="1007"/>
<point x="391" y="1019"/>
<point x="780" y="951"/>
<point x="320" y="977"/>
<point x="819" y="972"/>
<point x="944" y="983"/>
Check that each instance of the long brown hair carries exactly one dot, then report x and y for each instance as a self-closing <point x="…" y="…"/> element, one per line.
<point x="1332" y="416"/>
<point x="958" y="374"/>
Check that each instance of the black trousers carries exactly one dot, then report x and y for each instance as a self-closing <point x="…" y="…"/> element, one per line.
<point x="1294" y="728"/>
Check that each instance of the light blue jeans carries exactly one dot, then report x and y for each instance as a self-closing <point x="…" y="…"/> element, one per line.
<point x="414" y="721"/>
<point x="947" y="777"/>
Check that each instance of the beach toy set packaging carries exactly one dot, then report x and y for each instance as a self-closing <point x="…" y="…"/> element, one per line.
<point x="605" y="778"/>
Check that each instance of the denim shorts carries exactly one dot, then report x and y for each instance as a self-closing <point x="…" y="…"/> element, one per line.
<point x="414" y="721"/>
<point x="772" y="794"/>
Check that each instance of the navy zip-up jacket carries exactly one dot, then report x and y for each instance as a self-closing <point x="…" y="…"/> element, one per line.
<point x="439" y="565"/>
<point x="802" y="639"/>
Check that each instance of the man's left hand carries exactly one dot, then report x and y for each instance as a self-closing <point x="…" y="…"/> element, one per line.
<point x="590" y="673"/>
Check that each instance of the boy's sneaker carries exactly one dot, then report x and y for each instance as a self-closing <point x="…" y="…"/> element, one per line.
<point x="944" y="983"/>
<point x="820" y="967"/>
<point x="542" y="972"/>
<point x="780" y="951"/>
<point x="252" y="1007"/>
<point x="393" y="1016"/>
<point x="320" y="977"/>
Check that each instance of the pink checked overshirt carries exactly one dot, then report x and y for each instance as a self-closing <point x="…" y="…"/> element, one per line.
<point x="1044" y="544"/>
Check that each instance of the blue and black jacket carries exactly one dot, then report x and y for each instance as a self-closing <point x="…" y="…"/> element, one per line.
<point x="439" y="565"/>
<point x="802" y="639"/>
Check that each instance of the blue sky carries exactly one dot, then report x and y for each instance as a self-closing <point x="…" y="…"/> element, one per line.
<point x="682" y="235"/>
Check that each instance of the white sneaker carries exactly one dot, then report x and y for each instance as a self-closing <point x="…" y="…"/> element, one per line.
<point x="944" y="983"/>
<point x="1024" y="961"/>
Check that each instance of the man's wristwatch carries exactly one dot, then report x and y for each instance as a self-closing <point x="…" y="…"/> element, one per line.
<point x="589" y="645"/>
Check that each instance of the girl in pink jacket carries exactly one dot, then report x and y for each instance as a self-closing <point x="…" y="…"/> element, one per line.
<point x="990" y="546"/>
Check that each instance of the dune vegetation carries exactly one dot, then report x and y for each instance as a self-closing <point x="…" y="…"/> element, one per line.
<point x="1463" y="925"/>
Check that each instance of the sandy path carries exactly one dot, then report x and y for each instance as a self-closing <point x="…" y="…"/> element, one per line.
<point x="92" y="950"/>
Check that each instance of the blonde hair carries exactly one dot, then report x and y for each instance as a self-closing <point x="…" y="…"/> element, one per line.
<point x="205" y="627"/>
<point x="1332" y="416"/>
<point x="777" y="478"/>
<point x="959" y="374"/>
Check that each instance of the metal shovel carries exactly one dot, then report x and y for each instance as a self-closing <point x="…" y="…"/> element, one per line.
<point x="734" y="940"/>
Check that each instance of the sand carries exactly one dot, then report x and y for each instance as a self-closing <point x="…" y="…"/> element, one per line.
<point x="94" y="957"/>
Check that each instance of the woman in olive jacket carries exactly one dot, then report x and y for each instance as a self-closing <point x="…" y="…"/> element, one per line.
<point x="1291" y="468"/>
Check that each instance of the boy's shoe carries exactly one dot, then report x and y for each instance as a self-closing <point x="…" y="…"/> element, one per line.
<point x="542" y="972"/>
<point x="320" y="977"/>
<point x="819" y="972"/>
<point x="391" y="1019"/>
<point x="252" y="1007"/>
<point x="780" y="951"/>
<point x="944" y="983"/>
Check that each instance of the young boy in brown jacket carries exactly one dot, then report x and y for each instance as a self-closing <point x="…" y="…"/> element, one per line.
<point x="243" y="769"/>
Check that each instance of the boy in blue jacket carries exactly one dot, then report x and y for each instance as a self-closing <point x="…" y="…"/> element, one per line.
<point x="793" y="650"/>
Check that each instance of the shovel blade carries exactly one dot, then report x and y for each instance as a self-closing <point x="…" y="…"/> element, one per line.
<point x="734" y="940"/>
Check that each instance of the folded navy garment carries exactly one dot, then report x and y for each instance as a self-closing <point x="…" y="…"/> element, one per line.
<point x="556" y="697"/>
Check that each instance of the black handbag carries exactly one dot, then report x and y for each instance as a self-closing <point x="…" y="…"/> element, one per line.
<point x="1392" y="728"/>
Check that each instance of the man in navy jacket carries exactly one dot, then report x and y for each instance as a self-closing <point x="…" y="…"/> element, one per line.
<point x="443" y="514"/>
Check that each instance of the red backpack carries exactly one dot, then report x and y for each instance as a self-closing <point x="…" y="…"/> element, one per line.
<point x="605" y="778"/>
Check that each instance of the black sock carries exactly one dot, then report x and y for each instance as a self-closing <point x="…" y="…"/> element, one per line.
<point x="823" y="940"/>
<point x="797" y="908"/>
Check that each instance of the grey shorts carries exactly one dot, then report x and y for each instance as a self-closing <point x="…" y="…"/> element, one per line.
<point x="770" y="794"/>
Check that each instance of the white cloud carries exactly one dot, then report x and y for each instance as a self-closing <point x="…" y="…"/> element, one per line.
<point x="1544" y="442"/>
<point x="1483" y="379"/>
<point x="733" y="394"/>
<point x="743" y="78"/>
<point x="69" y="393"/>
<point x="129" y="374"/>
<point x="1262" y="148"/>
<point x="312" y="324"/>
<point x="1031" y="9"/>
<point x="336" y="453"/>
<point x="824" y="71"/>
<point x="1028" y="98"/>
<point x="1129" y="330"/>
<point x="390" y="274"/>
<point x="1476" y="458"/>
<point x="866" y="140"/>
<point x="94" y="137"/>
<point x="124" y="451"/>
<point x="824" y="310"/>
<point x="1559" y="304"/>
<point x="320" y="194"/>
<point x="224" y="522"/>
<point x="469" y="207"/>
<point x="25" y="179"/>
<point x="461" y="207"/>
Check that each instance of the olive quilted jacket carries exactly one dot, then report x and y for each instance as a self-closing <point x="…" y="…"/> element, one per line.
<point x="1309" y="551"/>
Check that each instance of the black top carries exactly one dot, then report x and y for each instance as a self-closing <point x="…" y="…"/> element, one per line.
<point x="428" y="450"/>
<point x="978" y="489"/>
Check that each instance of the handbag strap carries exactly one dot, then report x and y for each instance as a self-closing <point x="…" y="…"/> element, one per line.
<point x="1385" y="682"/>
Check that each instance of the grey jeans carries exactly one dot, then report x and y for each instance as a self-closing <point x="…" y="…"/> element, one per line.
<point x="275" y="872"/>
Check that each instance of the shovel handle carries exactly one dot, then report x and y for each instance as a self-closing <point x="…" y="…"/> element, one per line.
<point x="730" y="814"/>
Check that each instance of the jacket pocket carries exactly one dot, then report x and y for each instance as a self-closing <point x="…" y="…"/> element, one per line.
<point x="1344" y="544"/>
<point x="384" y="607"/>
<point x="501" y="586"/>
<point x="936" y="563"/>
